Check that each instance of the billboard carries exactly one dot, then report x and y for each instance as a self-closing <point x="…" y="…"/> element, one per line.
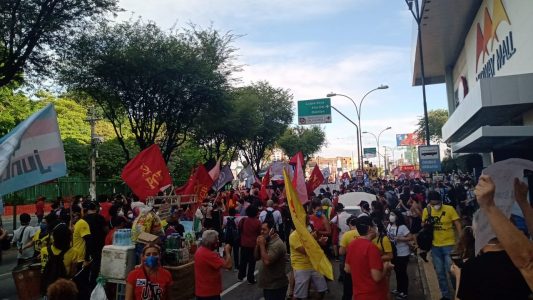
<point x="408" y="139"/>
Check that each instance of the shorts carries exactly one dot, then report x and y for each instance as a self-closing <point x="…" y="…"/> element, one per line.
<point x="301" y="283"/>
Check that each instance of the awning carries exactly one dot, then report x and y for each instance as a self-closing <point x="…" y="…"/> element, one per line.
<point x="490" y="138"/>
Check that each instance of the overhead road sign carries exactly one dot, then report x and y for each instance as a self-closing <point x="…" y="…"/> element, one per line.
<point x="314" y="111"/>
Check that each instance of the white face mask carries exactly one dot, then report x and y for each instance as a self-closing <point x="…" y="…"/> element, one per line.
<point x="392" y="219"/>
<point x="437" y="207"/>
<point x="387" y="211"/>
<point x="130" y="215"/>
<point x="120" y="213"/>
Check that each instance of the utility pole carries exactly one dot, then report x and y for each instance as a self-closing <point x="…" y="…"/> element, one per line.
<point x="92" y="118"/>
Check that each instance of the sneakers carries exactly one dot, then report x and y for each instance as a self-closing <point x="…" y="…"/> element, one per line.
<point x="395" y="292"/>
<point x="401" y="296"/>
<point x="251" y="282"/>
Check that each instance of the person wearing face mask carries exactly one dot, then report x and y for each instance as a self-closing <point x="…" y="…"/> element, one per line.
<point x="319" y="222"/>
<point x="444" y="218"/>
<point x="42" y="236"/>
<point x="271" y="251"/>
<point x="364" y="263"/>
<point x="149" y="281"/>
<point x="207" y="265"/>
<point x="400" y="236"/>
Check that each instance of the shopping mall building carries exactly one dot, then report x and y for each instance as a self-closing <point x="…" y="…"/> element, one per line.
<point x="483" y="51"/>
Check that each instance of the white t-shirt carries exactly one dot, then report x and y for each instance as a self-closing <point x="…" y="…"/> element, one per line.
<point x="402" y="247"/>
<point x="340" y="220"/>
<point x="276" y="214"/>
<point x="27" y="236"/>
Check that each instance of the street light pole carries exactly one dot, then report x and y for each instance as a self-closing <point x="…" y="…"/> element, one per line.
<point x="356" y="128"/>
<point x="377" y="142"/>
<point x="418" y="14"/>
<point x="358" y="111"/>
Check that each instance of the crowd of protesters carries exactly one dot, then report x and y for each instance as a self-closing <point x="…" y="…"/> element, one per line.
<point x="379" y="239"/>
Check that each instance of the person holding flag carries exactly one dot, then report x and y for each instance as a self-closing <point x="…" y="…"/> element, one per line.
<point x="307" y="258"/>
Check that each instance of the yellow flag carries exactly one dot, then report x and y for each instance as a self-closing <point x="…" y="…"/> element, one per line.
<point x="317" y="257"/>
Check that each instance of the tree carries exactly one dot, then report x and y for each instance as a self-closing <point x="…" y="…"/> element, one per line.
<point x="15" y="107"/>
<point x="155" y="82"/>
<point x="268" y="112"/>
<point x="436" y="118"/>
<point x="309" y="140"/>
<point x="31" y="30"/>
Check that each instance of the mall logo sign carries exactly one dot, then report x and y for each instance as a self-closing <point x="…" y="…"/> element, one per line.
<point x="504" y="46"/>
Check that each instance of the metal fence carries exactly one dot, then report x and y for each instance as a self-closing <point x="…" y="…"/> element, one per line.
<point x="67" y="186"/>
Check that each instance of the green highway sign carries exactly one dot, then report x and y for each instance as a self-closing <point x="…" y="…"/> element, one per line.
<point x="315" y="111"/>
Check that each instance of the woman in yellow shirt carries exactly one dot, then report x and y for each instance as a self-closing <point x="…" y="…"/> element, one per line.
<point x="384" y="245"/>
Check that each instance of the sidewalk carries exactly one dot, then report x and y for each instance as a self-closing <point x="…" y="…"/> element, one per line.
<point x="429" y="279"/>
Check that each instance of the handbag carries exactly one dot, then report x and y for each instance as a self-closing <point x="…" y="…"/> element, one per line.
<point x="5" y="243"/>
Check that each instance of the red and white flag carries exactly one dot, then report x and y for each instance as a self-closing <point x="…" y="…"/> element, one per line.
<point x="298" y="181"/>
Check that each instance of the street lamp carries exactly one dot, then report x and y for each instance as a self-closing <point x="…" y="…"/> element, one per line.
<point x="358" y="111"/>
<point x="418" y="12"/>
<point x="377" y="142"/>
<point x="356" y="128"/>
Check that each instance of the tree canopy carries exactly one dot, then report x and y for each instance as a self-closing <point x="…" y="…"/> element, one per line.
<point x="31" y="30"/>
<point x="436" y="118"/>
<point x="265" y="112"/>
<point x="155" y="82"/>
<point x="309" y="140"/>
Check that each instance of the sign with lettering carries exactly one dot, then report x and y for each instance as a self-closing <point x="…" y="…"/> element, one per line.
<point x="32" y="153"/>
<point x="429" y="157"/>
<point x="315" y="111"/>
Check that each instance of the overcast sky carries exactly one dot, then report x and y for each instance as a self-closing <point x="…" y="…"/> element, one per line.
<point x="315" y="47"/>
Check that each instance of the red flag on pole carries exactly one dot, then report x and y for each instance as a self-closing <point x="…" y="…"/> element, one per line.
<point x="263" y="193"/>
<point x="298" y="181"/>
<point x="199" y="184"/>
<point x="315" y="180"/>
<point x="294" y="159"/>
<point x="147" y="174"/>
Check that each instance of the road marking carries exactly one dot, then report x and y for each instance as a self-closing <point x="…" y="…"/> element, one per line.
<point x="234" y="286"/>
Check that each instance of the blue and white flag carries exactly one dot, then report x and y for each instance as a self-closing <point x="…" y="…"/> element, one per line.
<point x="32" y="152"/>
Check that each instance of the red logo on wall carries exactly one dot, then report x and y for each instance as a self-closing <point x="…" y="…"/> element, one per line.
<point x="490" y="25"/>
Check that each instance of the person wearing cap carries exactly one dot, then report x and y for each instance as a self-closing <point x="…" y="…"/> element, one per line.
<point x="364" y="263"/>
<point x="444" y="218"/>
<point x="150" y="280"/>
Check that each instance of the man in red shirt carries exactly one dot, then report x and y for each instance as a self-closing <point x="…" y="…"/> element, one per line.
<point x="39" y="209"/>
<point x="250" y="229"/>
<point x="363" y="261"/>
<point x="207" y="265"/>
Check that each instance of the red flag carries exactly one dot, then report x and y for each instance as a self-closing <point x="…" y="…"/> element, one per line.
<point x="263" y="193"/>
<point x="215" y="171"/>
<point x="298" y="182"/>
<point x="315" y="180"/>
<point x="199" y="184"/>
<point x="345" y="176"/>
<point x="147" y="174"/>
<point x="294" y="159"/>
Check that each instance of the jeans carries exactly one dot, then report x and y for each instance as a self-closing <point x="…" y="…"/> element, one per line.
<point x="275" y="294"/>
<point x="442" y="262"/>
<point x="400" y="269"/>
<point x="247" y="260"/>
<point x="236" y="252"/>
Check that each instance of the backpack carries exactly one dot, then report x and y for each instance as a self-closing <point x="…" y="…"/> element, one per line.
<point x="53" y="270"/>
<point x="231" y="234"/>
<point x="424" y="238"/>
<point x="269" y="218"/>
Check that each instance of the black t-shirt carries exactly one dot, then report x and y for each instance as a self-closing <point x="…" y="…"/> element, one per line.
<point x="492" y="276"/>
<point x="97" y="225"/>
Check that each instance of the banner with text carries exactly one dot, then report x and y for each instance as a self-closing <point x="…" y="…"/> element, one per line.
<point x="32" y="152"/>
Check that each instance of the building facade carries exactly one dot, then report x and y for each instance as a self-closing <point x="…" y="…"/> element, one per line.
<point x="483" y="51"/>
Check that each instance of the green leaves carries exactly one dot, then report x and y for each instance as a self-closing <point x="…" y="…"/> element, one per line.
<point x="309" y="140"/>
<point x="436" y="119"/>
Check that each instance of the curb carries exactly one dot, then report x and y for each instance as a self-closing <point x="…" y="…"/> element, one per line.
<point x="423" y="278"/>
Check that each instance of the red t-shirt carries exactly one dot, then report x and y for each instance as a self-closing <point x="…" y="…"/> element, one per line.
<point x="362" y="255"/>
<point x="318" y="223"/>
<point x="145" y="289"/>
<point x="39" y="208"/>
<point x="109" y="237"/>
<point x="207" y="277"/>
<point x="104" y="210"/>
<point x="250" y="229"/>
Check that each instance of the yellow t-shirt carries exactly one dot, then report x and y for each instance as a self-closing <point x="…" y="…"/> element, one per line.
<point x="70" y="258"/>
<point x="299" y="261"/>
<point x="387" y="246"/>
<point x="81" y="229"/>
<point x="39" y="243"/>
<point x="443" y="234"/>
<point x="348" y="237"/>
